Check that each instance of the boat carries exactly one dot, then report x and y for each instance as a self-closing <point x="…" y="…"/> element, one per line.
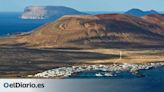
<point x="108" y="74"/>
<point x="99" y="74"/>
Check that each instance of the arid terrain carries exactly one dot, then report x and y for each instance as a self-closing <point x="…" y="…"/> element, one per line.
<point x="87" y="39"/>
<point x="19" y="61"/>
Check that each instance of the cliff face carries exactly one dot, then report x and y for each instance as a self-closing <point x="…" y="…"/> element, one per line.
<point x="45" y="12"/>
<point x="110" y="30"/>
<point x="138" y="12"/>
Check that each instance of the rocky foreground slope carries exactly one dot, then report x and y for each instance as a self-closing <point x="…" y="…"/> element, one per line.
<point x="100" y="31"/>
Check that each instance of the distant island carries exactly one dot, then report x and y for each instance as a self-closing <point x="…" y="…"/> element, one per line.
<point x="54" y="12"/>
<point x="46" y="12"/>
<point x="138" y="12"/>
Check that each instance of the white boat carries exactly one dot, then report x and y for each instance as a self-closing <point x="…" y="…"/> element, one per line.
<point x="108" y="74"/>
<point x="99" y="74"/>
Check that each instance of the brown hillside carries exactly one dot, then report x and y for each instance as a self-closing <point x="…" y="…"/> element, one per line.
<point x="157" y="20"/>
<point x="111" y="30"/>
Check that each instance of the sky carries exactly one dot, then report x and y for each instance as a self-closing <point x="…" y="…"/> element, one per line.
<point x="84" y="5"/>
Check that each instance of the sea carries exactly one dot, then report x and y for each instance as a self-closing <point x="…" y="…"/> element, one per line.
<point x="153" y="80"/>
<point x="11" y="23"/>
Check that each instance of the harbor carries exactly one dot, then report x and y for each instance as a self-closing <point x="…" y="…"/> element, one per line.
<point x="66" y="72"/>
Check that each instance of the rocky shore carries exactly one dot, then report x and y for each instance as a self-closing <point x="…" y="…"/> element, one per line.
<point x="65" y="72"/>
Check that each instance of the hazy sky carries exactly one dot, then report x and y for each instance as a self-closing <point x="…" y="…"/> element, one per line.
<point x="85" y="5"/>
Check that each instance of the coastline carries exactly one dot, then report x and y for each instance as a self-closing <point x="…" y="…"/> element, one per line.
<point x="65" y="72"/>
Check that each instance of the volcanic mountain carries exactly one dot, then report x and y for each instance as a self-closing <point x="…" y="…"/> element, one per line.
<point x="95" y="31"/>
<point x="138" y="12"/>
<point x="46" y="12"/>
<point x="157" y="20"/>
